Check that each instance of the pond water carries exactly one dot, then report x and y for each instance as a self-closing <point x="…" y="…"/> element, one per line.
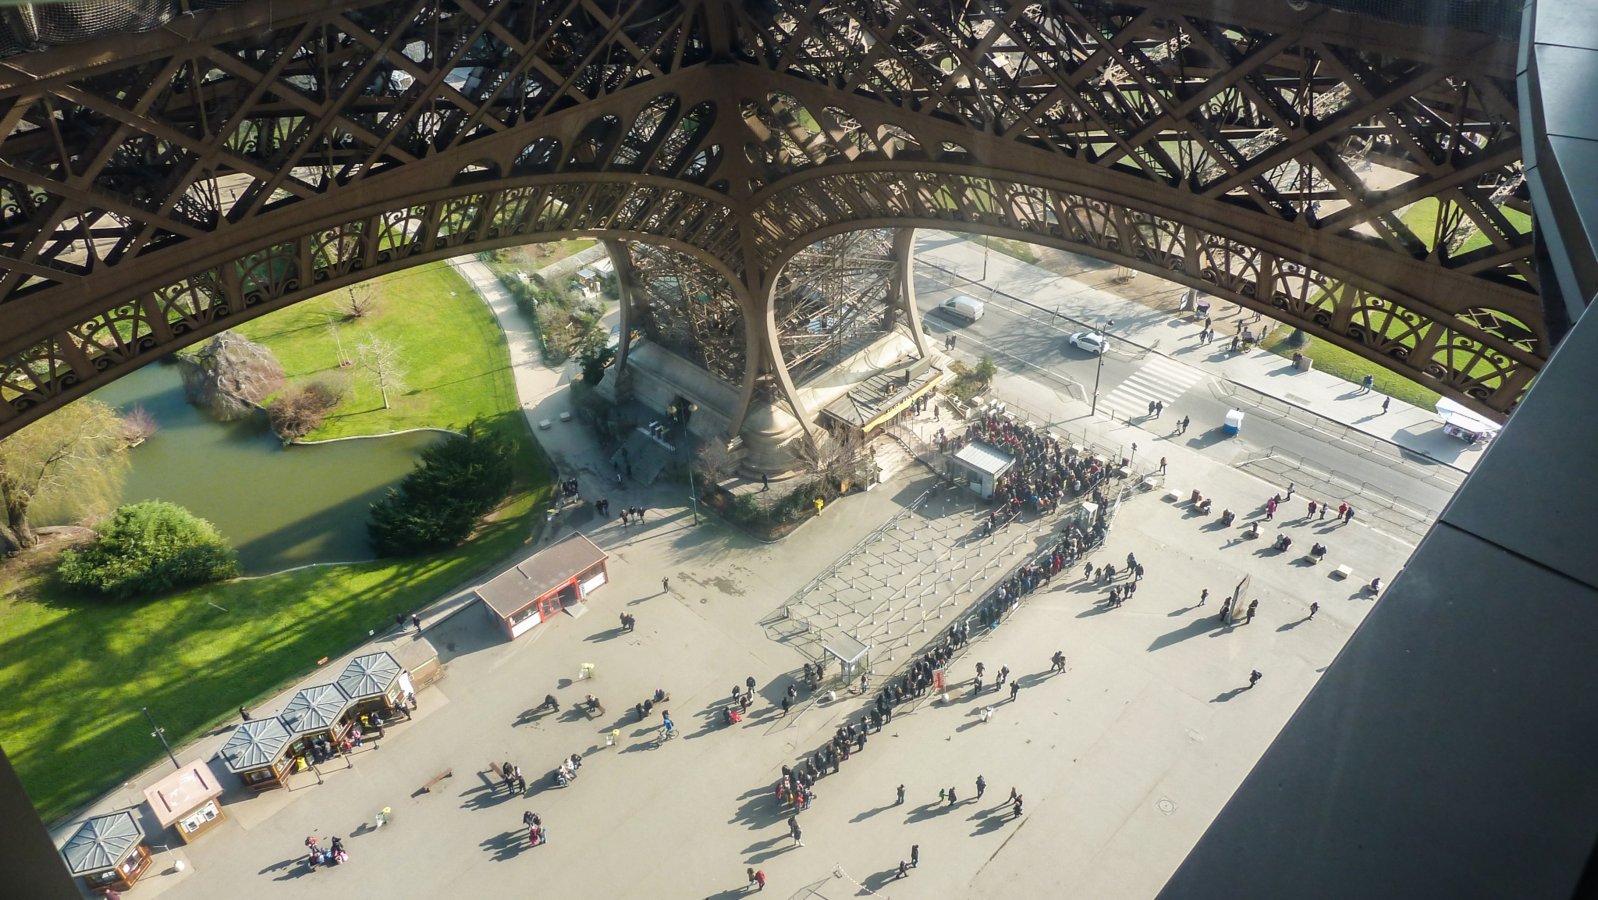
<point x="278" y="506"/>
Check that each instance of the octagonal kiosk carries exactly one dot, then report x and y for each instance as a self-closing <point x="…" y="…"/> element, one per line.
<point x="186" y="799"/>
<point x="319" y="719"/>
<point x="376" y="691"/>
<point x="256" y="753"/>
<point x="107" y="852"/>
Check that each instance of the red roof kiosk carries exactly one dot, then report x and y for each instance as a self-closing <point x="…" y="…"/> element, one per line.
<point x="543" y="584"/>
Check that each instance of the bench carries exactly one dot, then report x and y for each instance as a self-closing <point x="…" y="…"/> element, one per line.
<point x="433" y="782"/>
<point x="1343" y="572"/>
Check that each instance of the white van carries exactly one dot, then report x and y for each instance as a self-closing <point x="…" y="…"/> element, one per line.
<point x="962" y="307"/>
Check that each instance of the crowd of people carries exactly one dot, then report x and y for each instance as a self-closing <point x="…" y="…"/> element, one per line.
<point x="1045" y="471"/>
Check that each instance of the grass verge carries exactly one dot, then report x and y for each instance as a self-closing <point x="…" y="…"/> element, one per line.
<point x="1352" y="367"/>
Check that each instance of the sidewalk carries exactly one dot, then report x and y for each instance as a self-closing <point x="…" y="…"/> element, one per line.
<point x="1326" y="396"/>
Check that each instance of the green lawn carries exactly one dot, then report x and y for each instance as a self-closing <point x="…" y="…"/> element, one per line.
<point x="1349" y="366"/>
<point x="1422" y="220"/>
<point x="74" y="672"/>
<point x="427" y="311"/>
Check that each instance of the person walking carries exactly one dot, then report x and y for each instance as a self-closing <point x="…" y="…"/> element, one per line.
<point x="1162" y="465"/>
<point x="793" y="829"/>
<point x="1015" y="688"/>
<point x="952" y="798"/>
<point x="1253" y="607"/>
<point x="785" y="704"/>
<point x="244" y="714"/>
<point x="904" y="869"/>
<point x="1324" y="508"/>
<point x="900" y="800"/>
<point x="1204" y="596"/>
<point x="749" y="683"/>
<point x="1004" y="673"/>
<point x="757" y="877"/>
<point x="1015" y="808"/>
<point x="665" y="584"/>
<point x="1313" y="609"/>
<point x="982" y="785"/>
<point x="416" y="622"/>
<point x="1254" y="678"/>
<point x="1386" y="401"/>
<point x="1226" y="609"/>
<point x="915" y="855"/>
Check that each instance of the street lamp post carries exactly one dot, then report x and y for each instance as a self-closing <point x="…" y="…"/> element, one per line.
<point x="1100" y="371"/>
<point x="693" y="493"/>
<point x="160" y="733"/>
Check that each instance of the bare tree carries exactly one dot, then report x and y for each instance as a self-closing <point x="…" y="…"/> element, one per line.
<point x="714" y="461"/>
<point x="298" y="409"/>
<point x="70" y="455"/>
<point x="381" y="360"/>
<point x="138" y="426"/>
<point x="841" y="456"/>
<point x="360" y="298"/>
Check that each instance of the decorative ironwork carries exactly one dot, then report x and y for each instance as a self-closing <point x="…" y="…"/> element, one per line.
<point x="1362" y="183"/>
<point x="832" y="300"/>
<point x="690" y="309"/>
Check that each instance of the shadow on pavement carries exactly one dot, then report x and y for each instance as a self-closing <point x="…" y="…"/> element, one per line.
<point x="1227" y="695"/>
<point x="866" y="814"/>
<point x="1190" y="630"/>
<point x="876" y="881"/>
<point x="991" y="822"/>
<point x="291" y="869"/>
<point x="506" y="845"/>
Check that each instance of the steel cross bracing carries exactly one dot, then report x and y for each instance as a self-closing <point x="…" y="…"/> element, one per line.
<point x="1356" y="179"/>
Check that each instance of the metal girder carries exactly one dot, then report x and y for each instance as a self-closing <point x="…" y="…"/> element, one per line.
<point x="1358" y="180"/>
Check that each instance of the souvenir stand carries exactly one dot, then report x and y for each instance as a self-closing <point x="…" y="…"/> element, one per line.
<point x="186" y="799"/>
<point x="107" y="852"/>
<point x="255" y="753"/>
<point x="372" y="682"/>
<point x="320" y="711"/>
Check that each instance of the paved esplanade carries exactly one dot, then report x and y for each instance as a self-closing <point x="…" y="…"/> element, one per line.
<point x="1122" y="761"/>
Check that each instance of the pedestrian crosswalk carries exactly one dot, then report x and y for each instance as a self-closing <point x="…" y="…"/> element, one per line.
<point x="1160" y="379"/>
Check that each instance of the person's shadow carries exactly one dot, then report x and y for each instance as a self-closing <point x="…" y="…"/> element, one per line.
<point x="1228" y="695"/>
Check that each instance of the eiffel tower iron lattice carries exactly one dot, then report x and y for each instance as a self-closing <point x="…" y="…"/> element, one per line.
<point x="1358" y="179"/>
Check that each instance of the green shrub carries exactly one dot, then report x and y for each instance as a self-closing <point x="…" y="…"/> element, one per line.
<point x="147" y="548"/>
<point x="455" y="483"/>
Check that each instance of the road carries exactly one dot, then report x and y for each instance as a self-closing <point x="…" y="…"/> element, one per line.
<point x="1032" y="344"/>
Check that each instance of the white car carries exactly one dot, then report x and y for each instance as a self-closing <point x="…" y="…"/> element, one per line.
<point x="1091" y="341"/>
